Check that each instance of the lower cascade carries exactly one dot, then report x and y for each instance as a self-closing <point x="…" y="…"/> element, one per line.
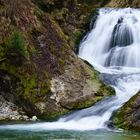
<point x="113" y="48"/>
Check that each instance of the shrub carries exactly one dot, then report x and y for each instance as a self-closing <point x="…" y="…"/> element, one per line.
<point x="16" y="46"/>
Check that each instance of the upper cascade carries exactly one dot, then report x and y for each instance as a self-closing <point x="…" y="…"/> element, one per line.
<point x="115" y="39"/>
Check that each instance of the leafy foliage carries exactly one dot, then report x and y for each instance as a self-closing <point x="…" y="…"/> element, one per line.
<point x="15" y="45"/>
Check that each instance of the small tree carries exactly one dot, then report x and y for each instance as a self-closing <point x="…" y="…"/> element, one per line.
<point x="15" y="46"/>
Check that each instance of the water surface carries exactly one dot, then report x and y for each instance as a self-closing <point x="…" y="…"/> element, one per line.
<point x="67" y="135"/>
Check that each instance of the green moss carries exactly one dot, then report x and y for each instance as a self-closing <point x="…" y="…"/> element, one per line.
<point x="118" y="119"/>
<point x="1" y="52"/>
<point x="106" y="89"/>
<point x="54" y="115"/>
<point x="88" y="103"/>
<point x="95" y="76"/>
<point x="33" y="89"/>
<point x="124" y="117"/>
<point x="30" y="87"/>
<point x="78" y="35"/>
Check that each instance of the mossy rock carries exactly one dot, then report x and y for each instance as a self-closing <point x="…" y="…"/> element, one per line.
<point x="128" y="116"/>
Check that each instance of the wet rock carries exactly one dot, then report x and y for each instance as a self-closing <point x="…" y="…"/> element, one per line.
<point x="10" y="112"/>
<point x="34" y="118"/>
<point x="128" y="116"/>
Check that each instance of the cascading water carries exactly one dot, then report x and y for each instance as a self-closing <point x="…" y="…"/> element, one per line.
<point x="113" y="48"/>
<point x="115" y="39"/>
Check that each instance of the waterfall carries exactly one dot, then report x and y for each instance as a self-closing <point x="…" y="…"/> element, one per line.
<point x="115" y="39"/>
<point x="113" y="48"/>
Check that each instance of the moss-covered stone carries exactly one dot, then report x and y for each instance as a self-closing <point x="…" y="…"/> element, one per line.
<point x="87" y="88"/>
<point x="128" y="116"/>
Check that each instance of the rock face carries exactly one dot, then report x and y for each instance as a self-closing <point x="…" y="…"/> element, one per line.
<point x="123" y="3"/>
<point x="128" y="117"/>
<point x="9" y="111"/>
<point x="41" y="75"/>
<point x="73" y="16"/>
<point x="78" y="89"/>
<point x="74" y="89"/>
